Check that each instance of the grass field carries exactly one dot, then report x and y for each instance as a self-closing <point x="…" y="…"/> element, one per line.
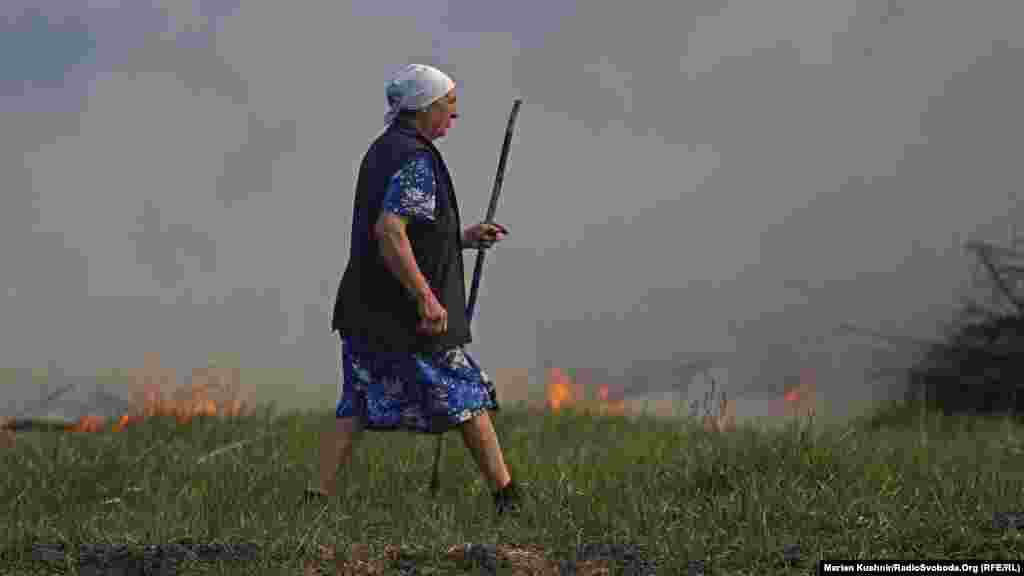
<point x="897" y="485"/>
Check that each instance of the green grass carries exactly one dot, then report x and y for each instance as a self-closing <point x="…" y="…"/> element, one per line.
<point x="895" y="485"/>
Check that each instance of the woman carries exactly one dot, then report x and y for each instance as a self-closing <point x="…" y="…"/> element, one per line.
<point x="400" y="310"/>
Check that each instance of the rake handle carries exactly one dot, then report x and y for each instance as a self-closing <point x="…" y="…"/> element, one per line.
<point x="499" y="180"/>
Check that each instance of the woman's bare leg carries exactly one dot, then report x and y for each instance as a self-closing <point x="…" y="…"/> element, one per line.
<point x="336" y="444"/>
<point x="482" y="442"/>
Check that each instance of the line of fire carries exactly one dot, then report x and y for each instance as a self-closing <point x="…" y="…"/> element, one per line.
<point x="218" y="392"/>
<point x="583" y="394"/>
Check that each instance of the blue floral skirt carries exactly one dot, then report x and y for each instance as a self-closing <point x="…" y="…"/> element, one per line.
<point x="429" y="394"/>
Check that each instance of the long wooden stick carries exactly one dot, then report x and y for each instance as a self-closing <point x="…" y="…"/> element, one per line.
<point x="499" y="179"/>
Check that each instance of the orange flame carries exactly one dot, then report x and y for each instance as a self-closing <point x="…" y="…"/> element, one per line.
<point x="799" y="399"/>
<point x="88" y="424"/>
<point x="563" y="392"/>
<point x="200" y="398"/>
<point x="559" y="391"/>
<point x="608" y="406"/>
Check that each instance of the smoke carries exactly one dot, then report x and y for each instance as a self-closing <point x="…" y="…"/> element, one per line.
<point x="712" y="182"/>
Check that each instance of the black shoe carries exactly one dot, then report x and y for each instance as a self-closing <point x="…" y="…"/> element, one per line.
<point x="508" y="499"/>
<point x="310" y="496"/>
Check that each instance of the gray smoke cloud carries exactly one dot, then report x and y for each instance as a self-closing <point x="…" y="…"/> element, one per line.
<point x="713" y="182"/>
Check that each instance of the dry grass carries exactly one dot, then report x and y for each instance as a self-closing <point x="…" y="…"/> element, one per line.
<point x="900" y="485"/>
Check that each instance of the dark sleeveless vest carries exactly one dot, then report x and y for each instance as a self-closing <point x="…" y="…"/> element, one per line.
<point x="372" y="305"/>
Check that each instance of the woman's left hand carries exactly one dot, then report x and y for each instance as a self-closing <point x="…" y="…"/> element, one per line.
<point x="484" y="234"/>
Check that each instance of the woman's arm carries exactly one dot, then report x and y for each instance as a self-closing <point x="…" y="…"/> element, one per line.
<point x="398" y="256"/>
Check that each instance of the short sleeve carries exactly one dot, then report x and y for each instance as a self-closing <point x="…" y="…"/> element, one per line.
<point x="411" y="191"/>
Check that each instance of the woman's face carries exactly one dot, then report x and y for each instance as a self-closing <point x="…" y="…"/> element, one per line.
<point x="436" y="120"/>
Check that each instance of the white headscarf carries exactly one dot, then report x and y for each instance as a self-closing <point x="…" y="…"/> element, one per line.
<point x="414" y="88"/>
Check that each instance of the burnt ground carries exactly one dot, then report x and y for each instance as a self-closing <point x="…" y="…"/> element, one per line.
<point x="590" y="559"/>
<point x="172" y="558"/>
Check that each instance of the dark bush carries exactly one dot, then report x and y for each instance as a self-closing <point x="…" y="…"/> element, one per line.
<point x="979" y="368"/>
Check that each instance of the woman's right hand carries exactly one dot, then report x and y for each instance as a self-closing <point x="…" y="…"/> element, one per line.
<point x="433" y="316"/>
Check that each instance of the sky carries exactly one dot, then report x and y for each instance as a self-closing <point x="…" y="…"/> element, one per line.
<point x="726" y="181"/>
